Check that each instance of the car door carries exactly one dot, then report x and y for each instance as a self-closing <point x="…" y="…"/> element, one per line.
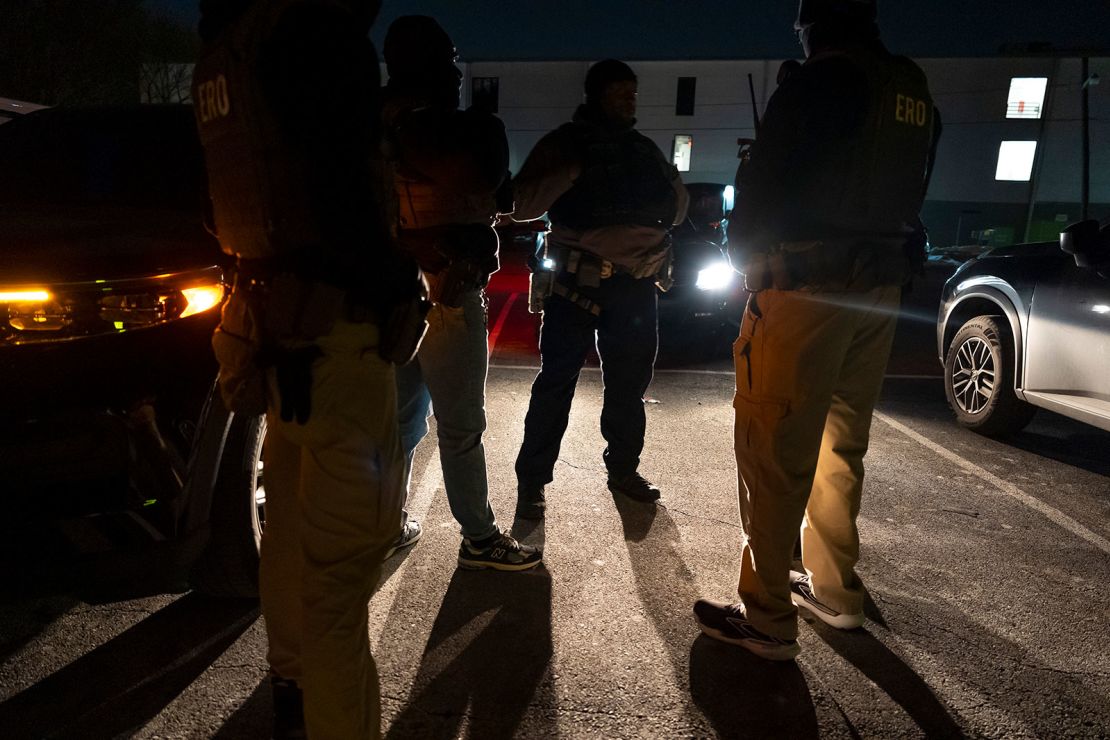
<point x="1067" y="363"/>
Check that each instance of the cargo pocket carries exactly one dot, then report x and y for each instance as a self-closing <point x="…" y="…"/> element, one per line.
<point x="747" y="374"/>
<point x="757" y="420"/>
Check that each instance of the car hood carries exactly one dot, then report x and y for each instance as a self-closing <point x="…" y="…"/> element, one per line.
<point x="54" y="245"/>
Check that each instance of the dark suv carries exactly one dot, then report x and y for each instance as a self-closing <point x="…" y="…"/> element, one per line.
<point x="109" y="292"/>
<point x="1028" y="326"/>
<point x="707" y="293"/>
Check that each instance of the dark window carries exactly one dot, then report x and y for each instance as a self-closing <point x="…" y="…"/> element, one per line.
<point x="684" y="102"/>
<point x="483" y="94"/>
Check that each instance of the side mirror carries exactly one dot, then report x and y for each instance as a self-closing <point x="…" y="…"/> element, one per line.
<point x="1089" y="245"/>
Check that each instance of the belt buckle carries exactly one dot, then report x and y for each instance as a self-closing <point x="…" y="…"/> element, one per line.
<point x="606" y="269"/>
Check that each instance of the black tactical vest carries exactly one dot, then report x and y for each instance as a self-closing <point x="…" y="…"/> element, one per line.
<point x="624" y="181"/>
<point x="875" y="183"/>
<point x="258" y="184"/>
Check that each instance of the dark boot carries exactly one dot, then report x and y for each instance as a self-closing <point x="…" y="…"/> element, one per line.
<point x="530" y="502"/>
<point x="635" y="486"/>
<point x="288" y="709"/>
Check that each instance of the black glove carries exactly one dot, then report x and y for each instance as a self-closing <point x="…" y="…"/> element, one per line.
<point x="294" y="379"/>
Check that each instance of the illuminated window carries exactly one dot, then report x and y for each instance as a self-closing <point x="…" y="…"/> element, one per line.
<point x="684" y="100"/>
<point x="484" y="93"/>
<point x="1026" y="97"/>
<point x="682" y="151"/>
<point x="1015" y="161"/>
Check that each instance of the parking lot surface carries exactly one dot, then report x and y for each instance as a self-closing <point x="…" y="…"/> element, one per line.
<point x="985" y="562"/>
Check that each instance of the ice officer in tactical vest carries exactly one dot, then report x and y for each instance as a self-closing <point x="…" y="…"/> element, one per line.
<point x="287" y="98"/>
<point x="826" y="231"/>
<point x="612" y="198"/>
<point x="449" y="165"/>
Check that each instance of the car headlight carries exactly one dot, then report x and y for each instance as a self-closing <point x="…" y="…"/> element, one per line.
<point x="201" y="298"/>
<point x="717" y="276"/>
<point x="71" y="310"/>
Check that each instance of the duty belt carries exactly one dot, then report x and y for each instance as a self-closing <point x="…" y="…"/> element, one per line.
<point x="853" y="266"/>
<point x="260" y="277"/>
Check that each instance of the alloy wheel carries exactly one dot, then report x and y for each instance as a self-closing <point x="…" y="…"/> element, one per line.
<point x="973" y="375"/>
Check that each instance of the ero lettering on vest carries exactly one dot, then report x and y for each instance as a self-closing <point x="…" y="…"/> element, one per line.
<point x="212" y="99"/>
<point x="911" y="111"/>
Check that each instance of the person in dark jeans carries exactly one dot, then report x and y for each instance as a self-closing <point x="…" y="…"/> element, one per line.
<point x="611" y="197"/>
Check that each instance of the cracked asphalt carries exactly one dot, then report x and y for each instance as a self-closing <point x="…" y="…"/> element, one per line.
<point x="987" y="618"/>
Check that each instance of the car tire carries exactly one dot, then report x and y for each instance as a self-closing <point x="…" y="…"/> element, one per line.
<point x="228" y="567"/>
<point x="979" y="379"/>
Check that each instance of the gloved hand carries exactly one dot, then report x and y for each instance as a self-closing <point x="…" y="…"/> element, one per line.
<point x="294" y="379"/>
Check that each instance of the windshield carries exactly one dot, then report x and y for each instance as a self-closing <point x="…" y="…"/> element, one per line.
<point x="706" y="207"/>
<point x="137" y="157"/>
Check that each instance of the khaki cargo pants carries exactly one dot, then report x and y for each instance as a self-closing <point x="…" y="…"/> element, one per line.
<point x="334" y="488"/>
<point x="809" y="367"/>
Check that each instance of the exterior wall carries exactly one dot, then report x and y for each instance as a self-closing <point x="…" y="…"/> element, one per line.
<point x="536" y="97"/>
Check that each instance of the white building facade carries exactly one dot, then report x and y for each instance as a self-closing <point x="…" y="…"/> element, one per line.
<point x="1009" y="166"/>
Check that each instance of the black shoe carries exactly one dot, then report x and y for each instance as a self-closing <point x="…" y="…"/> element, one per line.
<point x="530" y="502"/>
<point x="501" y="553"/>
<point x="727" y="623"/>
<point x="288" y="709"/>
<point x="635" y="486"/>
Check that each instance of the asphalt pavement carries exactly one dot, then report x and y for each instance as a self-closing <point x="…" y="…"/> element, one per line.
<point x="985" y="562"/>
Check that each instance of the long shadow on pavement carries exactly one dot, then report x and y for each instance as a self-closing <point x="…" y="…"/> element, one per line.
<point x="891" y="674"/>
<point x="488" y="656"/>
<point x="128" y="680"/>
<point x="748" y="697"/>
<point x="740" y="695"/>
<point x="253" y="718"/>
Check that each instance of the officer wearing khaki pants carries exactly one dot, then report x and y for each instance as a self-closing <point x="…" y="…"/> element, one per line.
<point x="826" y="231"/>
<point x="288" y="111"/>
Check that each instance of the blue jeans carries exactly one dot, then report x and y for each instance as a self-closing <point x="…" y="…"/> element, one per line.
<point x="626" y="334"/>
<point x="448" y="377"/>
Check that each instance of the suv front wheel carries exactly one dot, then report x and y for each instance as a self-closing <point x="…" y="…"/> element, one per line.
<point x="979" y="379"/>
<point x="228" y="567"/>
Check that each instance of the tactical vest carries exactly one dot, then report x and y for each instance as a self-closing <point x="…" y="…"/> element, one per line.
<point x="258" y="184"/>
<point x="422" y="203"/>
<point x="875" y="182"/>
<point x="624" y="181"/>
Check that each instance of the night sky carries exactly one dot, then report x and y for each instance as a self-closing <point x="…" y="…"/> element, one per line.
<point x="720" y="29"/>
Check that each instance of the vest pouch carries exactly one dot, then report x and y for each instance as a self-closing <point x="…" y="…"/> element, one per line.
<point x="540" y="285"/>
<point x="238" y="346"/>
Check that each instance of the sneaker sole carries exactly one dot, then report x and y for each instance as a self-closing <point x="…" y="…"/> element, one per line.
<point x="484" y="565"/>
<point x="840" y="621"/>
<point x="397" y="548"/>
<point x="767" y="652"/>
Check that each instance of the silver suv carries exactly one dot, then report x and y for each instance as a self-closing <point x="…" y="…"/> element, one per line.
<point x="1028" y="326"/>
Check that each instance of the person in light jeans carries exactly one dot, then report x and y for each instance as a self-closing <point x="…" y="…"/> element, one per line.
<point x="449" y="166"/>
